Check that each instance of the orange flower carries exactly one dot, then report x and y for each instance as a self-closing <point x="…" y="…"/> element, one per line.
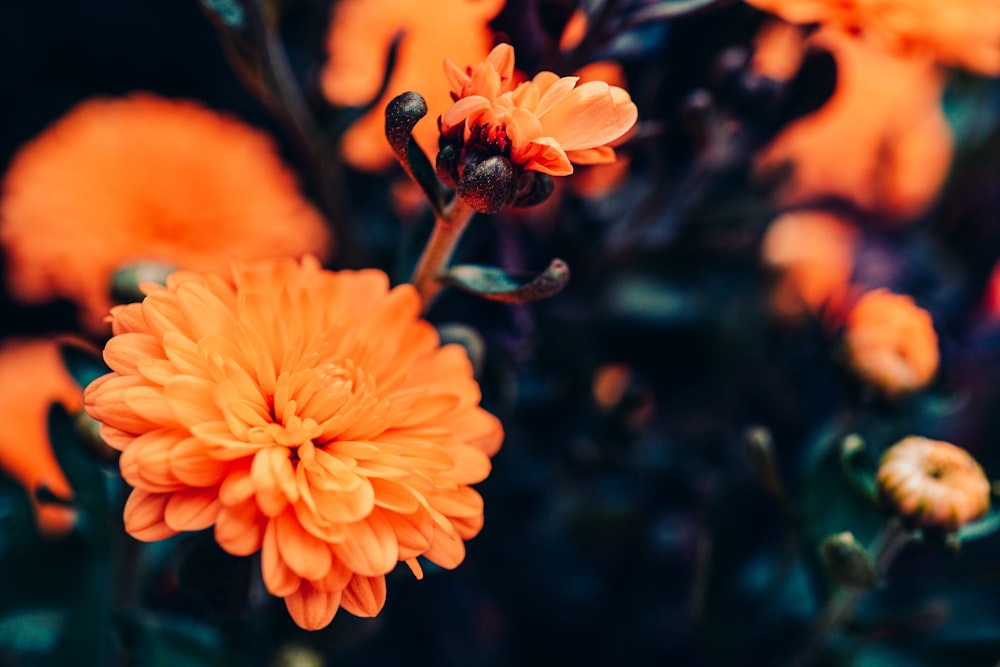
<point x="431" y="30"/>
<point x="32" y="379"/>
<point x="891" y="342"/>
<point x="814" y="254"/>
<point x="881" y="140"/>
<point x="143" y="178"/>
<point x="778" y="50"/>
<point x="545" y="125"/>
<point x="305" y="413"/>
<point x="958" y="32"/>
<point x="933" y="483"/>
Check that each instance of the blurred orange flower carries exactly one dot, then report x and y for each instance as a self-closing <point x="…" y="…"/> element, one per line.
<point x="432" y="30"/>
<point x="957" y="32"/>
<point x="891" y="342"/>
<point x="32" y="379"/>
<point x="305" y="413"/>
<point x="881" y="140"/>
<point x="813" y="253"/>
<point x="933" y="483"/>
<point x="545" y="125"/>
<point x="143" y="178"/>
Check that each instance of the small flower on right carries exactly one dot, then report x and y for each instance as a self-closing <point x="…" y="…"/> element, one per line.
<point x="933" y="483"/>
<point x="544" y="125"/>
<point x="891" y="343"/>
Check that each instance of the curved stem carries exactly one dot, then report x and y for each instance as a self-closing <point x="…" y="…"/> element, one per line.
<point x="840" y="606"/>
<point x="434" y="260"/>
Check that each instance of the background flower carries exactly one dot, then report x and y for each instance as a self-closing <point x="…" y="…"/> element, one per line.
<point x="305" y="413"/>
<point x="145" y="178"/>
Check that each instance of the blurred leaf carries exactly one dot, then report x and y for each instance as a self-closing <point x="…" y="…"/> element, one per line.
<point x="161" y="640"/>
<point x="84" y="365"/>
<point x="32" y="631"/>
<point x="496" y="285"/>
<point x="467" y="337"/>
<point x="647" y="300"/>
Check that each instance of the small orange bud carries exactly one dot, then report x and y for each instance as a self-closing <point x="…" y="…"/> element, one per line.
<point x="933" y="483"/>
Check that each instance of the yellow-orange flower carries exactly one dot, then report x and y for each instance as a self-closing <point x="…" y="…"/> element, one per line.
<point x="308" y="414"/>
<point x="358" y="45"/>
<point x="957" y="32"/>
<point x="933" y="483"/>
<point x="891" y="342"/>
<point x="545" y="125"/>
<point x="32" y="379"/>
<point x="881" y="141"/>
<point x="813" y="252"/>
<point x="144" y="178"/>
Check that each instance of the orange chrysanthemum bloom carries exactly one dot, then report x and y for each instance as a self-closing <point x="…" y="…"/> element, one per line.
<point x="881" y="141"/>
<point x="958" y="32"/>
<point x="308" y="414"/>
<point x="891" y="342"/>
<point x="813" y="252"/>
<point x="431" y="31"/>
<point x="545" y="125"/>
<point x="933" y="483"/>
<point x="32" y="379"/>
<point x="143" y="178"/>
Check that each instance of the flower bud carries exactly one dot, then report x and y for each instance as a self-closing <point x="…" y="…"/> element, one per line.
<point x="489" y="185"/>
<point x="847" y="562"/>
<point x="933" y="483"/>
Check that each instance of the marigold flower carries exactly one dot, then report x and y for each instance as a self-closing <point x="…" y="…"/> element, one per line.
<point x="959" y="32"/>
<point x="32" y="379"/>
<point x="431" y="30"/>
<point x="308" y="414"/>
<point x="891" y="342"/>
<point x="545" y="125"/>
<point x="933" y="483"/>
<point x="144" y="178"/>
<point x="813" y="251"/>
<point x="881" y="141"/>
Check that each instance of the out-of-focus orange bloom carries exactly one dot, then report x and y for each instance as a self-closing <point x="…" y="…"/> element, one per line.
<point x="545" y="125"/>
<point x="358" y="43"/>
<point x="881" y="140"/>
<point x="305" y="413"/>
<point x="778" y="50"/>
<point x="958" y="32"/>
<point x="32" y="379"/>
<point x="933" y="483"/>
<point x="143" y="178"/>
<point x="891" y="342"/>
<point x="813" y="252"/>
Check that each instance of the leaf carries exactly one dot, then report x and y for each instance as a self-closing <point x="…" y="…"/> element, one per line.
<point x="496" y="285"/>
<point x="32" y="631"/>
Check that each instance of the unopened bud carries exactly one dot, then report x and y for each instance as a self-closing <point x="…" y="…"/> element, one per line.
<point x="489" y="185"/>
<point x="847" y="562"/>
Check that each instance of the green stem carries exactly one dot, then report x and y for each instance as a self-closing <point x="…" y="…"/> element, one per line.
<point x="839" y="607"/>
<point x="448" y="229"/>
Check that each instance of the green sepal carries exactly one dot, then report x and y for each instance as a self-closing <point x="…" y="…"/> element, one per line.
<point x="495" y="284"/>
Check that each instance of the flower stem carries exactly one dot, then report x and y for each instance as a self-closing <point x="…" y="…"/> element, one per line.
<point x="434" y="260"/>
<point x="839" y="607"/>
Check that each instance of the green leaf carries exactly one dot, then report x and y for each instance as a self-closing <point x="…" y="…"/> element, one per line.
<point x="32" y="631"/>
<point x="494" y="284"/>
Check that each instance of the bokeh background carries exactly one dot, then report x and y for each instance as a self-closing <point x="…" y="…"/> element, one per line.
<point x="624" y="522"/>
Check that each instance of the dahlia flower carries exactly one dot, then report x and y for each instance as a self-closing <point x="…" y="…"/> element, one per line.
<point x="32" y="379"/>
<point x="117" y="181"/>
<point x="430" y="30"/>
<point x="546" y="124"/>
<point x="933" y="483"/>
<point x="958" y="32"/>
<point x="307" y="414"/>
<point x="891" y="342"/>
